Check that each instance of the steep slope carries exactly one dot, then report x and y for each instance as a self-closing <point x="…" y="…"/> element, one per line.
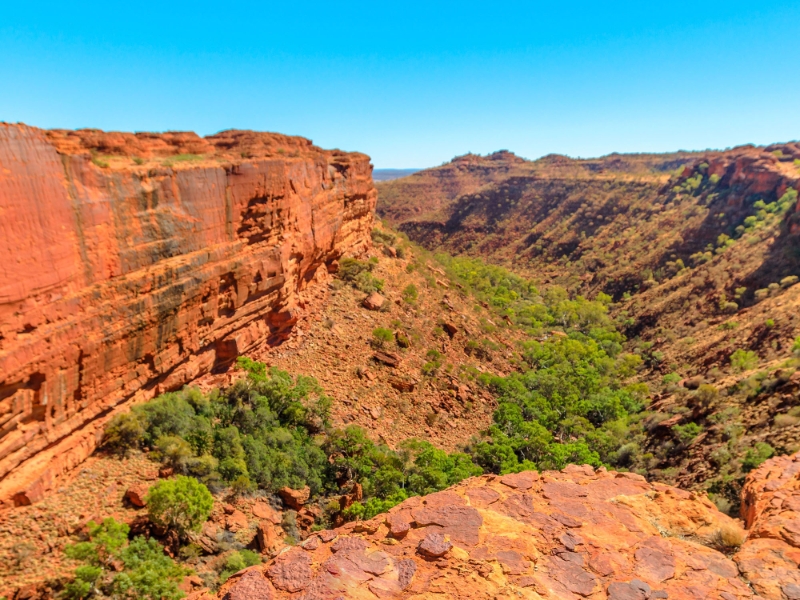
<point x="138" y="262"/>
<point x="570" y="534"/>
<point x="701" y="253"/>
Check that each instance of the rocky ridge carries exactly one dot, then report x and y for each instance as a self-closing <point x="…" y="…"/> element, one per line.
<point x="138" y="262"/>
<point x="572" y="222"/>
<point x="578" y="533"/>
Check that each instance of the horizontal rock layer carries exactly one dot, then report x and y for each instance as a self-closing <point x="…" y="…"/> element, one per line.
<point x="135" y="262"/>
<point x="560" y="535"/>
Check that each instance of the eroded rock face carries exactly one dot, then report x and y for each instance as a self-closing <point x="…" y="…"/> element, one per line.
<point x="771" y="509"/>
<point x="563" y="535"/>
<point x="134" y="263"/>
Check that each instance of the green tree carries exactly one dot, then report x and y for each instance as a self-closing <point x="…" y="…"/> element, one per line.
<point x="182" y="504"/>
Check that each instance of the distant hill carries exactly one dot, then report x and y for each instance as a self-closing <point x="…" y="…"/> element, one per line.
<point x="390" y="174"/>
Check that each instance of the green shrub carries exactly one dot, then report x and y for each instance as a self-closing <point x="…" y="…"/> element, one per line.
<point x="237" y="561"/>
<point x="124" y="432"/>
<point x="382" y="336"/>
<point x="186" y="157"/>
<point x="785" y="420"/>
<point x="686" y="433"/>
<point x="182" y="504"/>
<point x="757" y="455"/>
<point x="670" y="378"/>
<point x="743" y="360"/>
<point x="350" y="268"/>
<point x="366" y="282"/>
<point x="761" y="294"/>
<point x="383" y="237"/>
<point x="114" y="567"/>
<point x="434" y="362"/>
<point x="410" y="294"/>
<point x="148" y="572"/>
<point x="174" y="452"/>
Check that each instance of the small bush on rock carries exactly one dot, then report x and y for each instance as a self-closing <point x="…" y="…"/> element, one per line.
<point x="237" y="561"/>
<point x="382" y="336"/>
<point x="757" y="455"/>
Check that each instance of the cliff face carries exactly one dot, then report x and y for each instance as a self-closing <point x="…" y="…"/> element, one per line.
<point x="573" y="534"/>
<point x="134" y="263"/>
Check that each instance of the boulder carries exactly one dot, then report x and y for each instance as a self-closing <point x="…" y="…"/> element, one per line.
<point x="263" y="510"/>
<point x="236" y="521"/>
<point x="434" y="545"/>
<point x="402" y="384"/>
<point x="770" y="556"/>
<point x="295" y="499"/>
<point x="387" y="358"/>
<point x="137" y="495"/>
<point x="266" y="536"/>
<point x="374" y="301"/>
<point x="450" y="329"/>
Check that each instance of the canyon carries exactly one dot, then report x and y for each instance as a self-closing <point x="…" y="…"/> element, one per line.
<point x="136" y="263"/>
<point x="140" y="263"/>
<point x="700" y="252"/>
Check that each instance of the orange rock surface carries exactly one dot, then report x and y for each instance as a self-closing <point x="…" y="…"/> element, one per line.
<point x="134" y="263"/>
<point x="771" y="508"/>
<point x="567" y="535"/>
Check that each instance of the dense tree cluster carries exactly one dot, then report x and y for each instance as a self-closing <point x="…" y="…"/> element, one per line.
<point x="271" y="430"/>
<point x="568" y="403"/>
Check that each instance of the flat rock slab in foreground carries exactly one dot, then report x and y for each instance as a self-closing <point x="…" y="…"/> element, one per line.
<point x="567" y="535"/>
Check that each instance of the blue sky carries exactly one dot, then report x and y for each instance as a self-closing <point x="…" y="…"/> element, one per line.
<point x="413" y="84"/>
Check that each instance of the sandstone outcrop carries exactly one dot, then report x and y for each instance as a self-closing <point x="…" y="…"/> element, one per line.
<point x="771" y="509"/>
<point x="578" y="533"/>
<point x="136" y="262"/>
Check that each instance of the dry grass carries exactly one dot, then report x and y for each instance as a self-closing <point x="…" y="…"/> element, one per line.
<point x="728" y="538"/>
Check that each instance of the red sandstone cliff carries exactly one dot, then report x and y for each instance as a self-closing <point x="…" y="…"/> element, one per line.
<point x="133" y="263"/>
